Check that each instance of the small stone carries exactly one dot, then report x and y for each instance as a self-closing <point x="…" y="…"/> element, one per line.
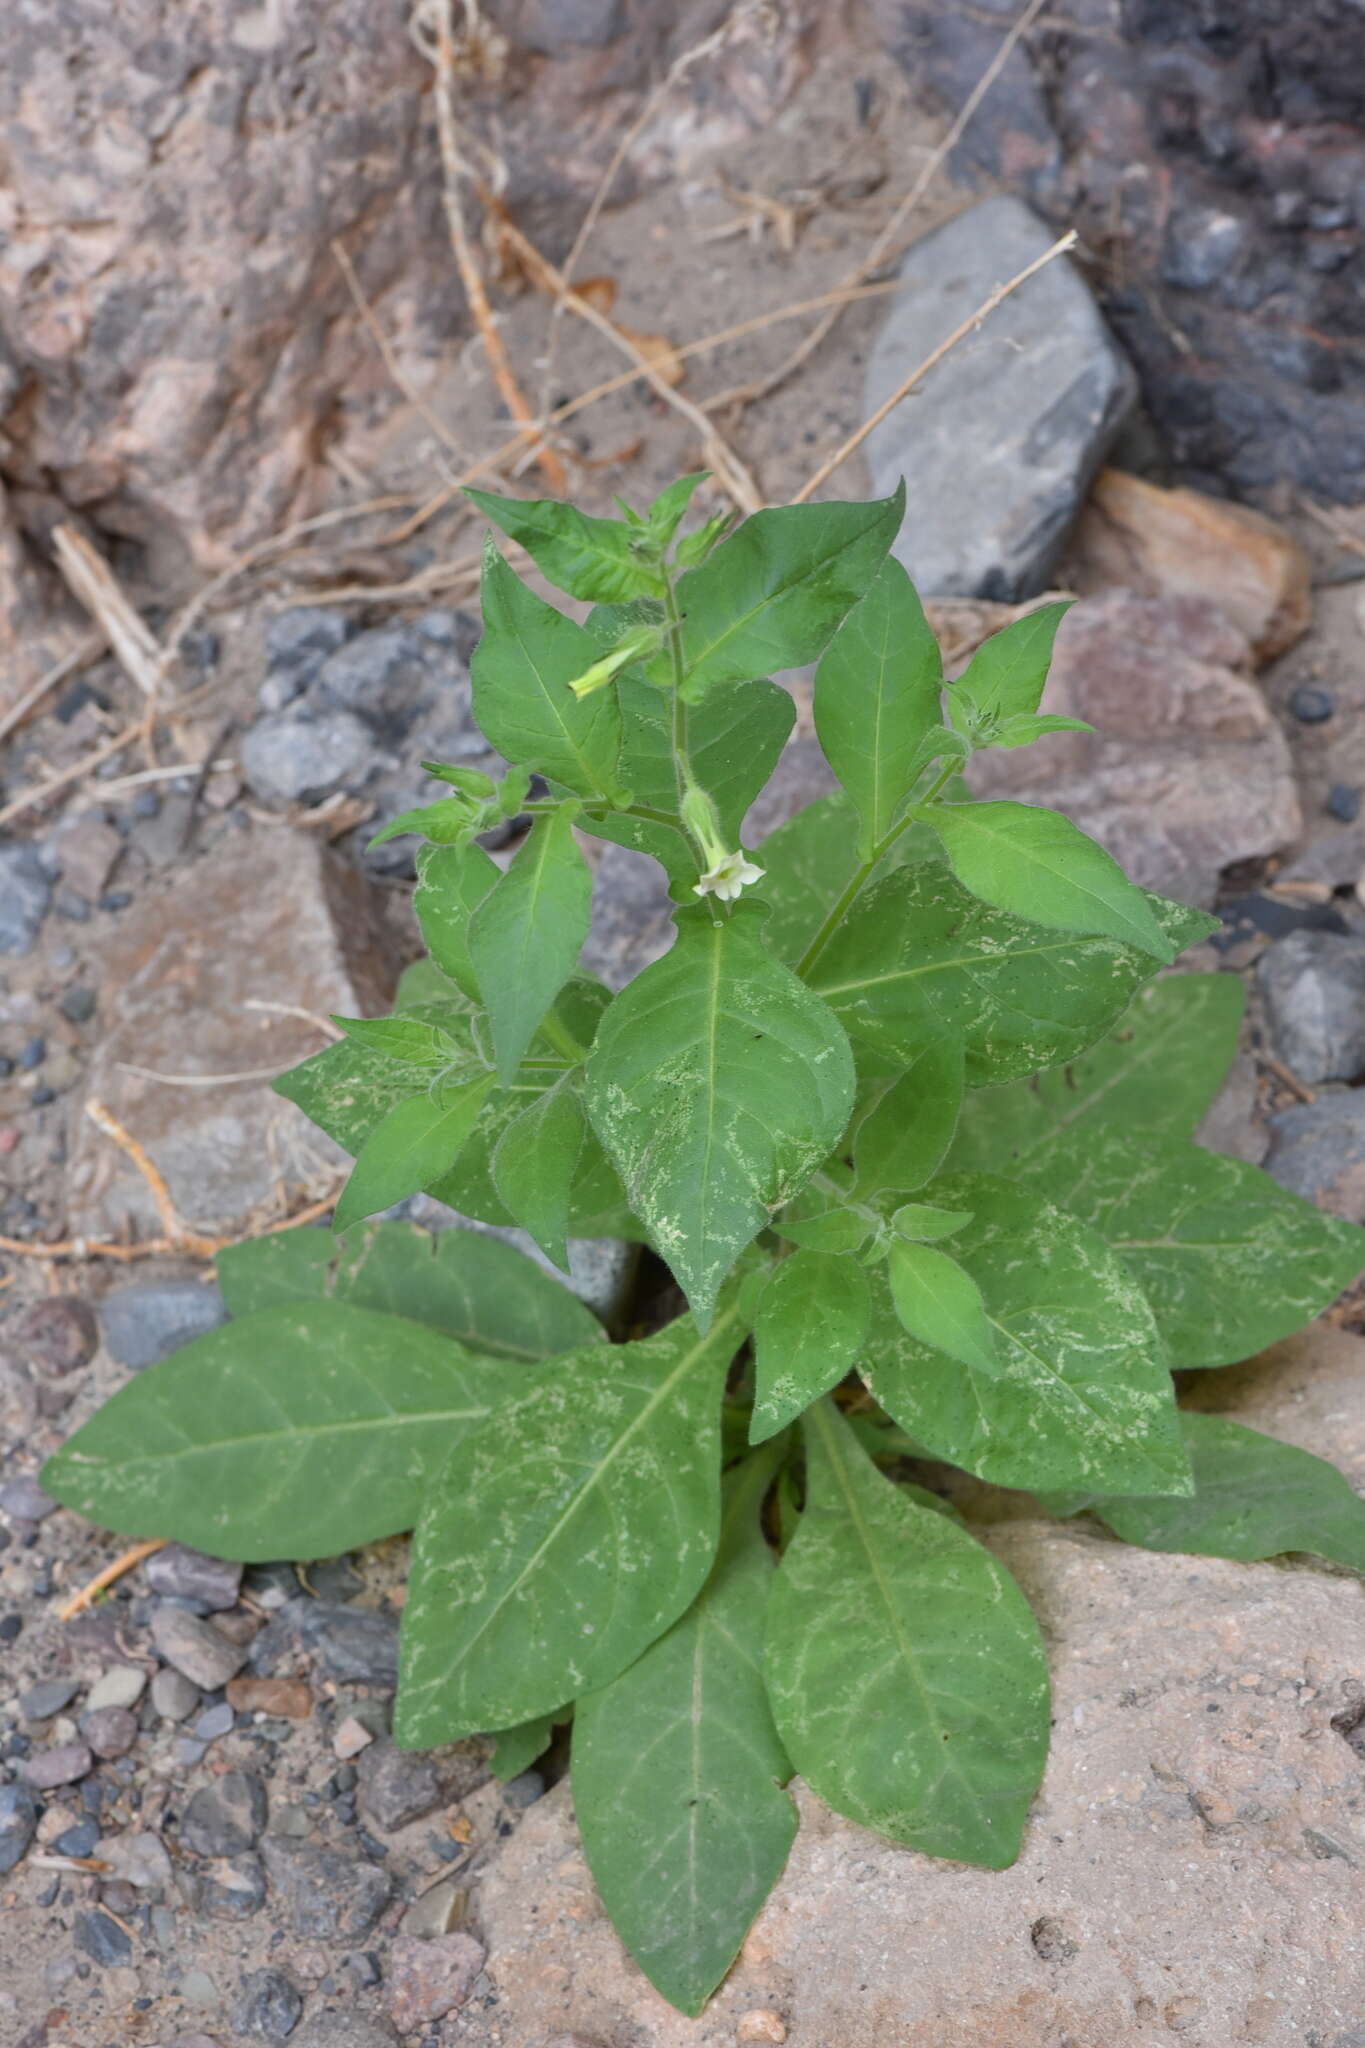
<point x="18" y="1820"/>
<point x="524" y="1789"/>
<point x="269" y="2008"/>
<point x="102" y="1939"/>
<point x="122" y="1685"/>
<point x="40" y="1702"/>
<point x="1317" y="1150"/>
<point x="287" y="1698"/>
<point x="398" y="1786"/>
<point x="146" y="1320"/>
<point x="763" y="2024"/>
<point x="1311" y="706"/>
<point x="52" y="1767"/>
<point x="186" y="1752"/>
<point x="110" y="1731"/>
<point x="351" y="1737"/>
<point x="342" y="2030"/>
<point x="225" y="1818"/>
<point x="299" y="756"/>
<point x="213" y="1722"/>
<point x="179" y="1573"/>
<point x="174" y="1696"/>
<point x="233" y="1889"/>
<point x="78" y="1004"/>
<point x="357" y="1645"/>
<point x="327" y="1896"/>
<point x="23" y="1500"/>
<point x="438" y="1911"/>
<point x="428" y="1979"/>
<point x="138" y="1859"/>
<point x="196" y="1647"/>
<point x="1314" y="987"/>
<point x="298" y="641"/>
<point x="58" y="1334"/>
<point x="79" y="1840"/>
<point x="198" y="1988"/>
<point x="85" y="847"/>
<point x="25" y="894"/>
<point x="1343" y="802"/>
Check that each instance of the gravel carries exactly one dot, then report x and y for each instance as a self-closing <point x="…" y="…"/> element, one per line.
<point x="121" y="1686"/>
<point x="397" y="1786"/>
<point x="102" y="1939"/>
<point x="65" y="1765"/>
<point x="354" y="1644"/>
<point x="196" y="1648"/>
<point x="269" y="2008"/>
<point x="40" y="1702"/>
<point x="225" y="1818"/>
<point x="326" y="1895"/>
<point x="300" y="756"/>
<point x="233" y="1889"/>
<point x="110" y="1731"/>
<point x="174" y="1696"/>
<point x="179" y="1573"/>
<point x="428" y="1979"/>
<point x="18" y="1819"/>
<point x="146" y="1320"/>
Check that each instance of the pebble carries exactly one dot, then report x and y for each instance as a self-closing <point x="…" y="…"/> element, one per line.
<point x="762" y="2024"/>
<point x="80" y="1840"/>
<point x="122" y="1685"/>
<point x="138" y="1859"/>
<point x="33" y="1055"/>
<point x="298" y="756"/>
<point x="1343" y="802"/>
<point x="25" y="894"/>
<point x="196" y="1647"/>
<point x="213" y="1722"/>
<point x="326" y="1896"/>
<point x="18" y="1820"/>
<point x="428" y="1979"/>
<point x="110" y="1731"/>
<point x="225" y="1818"/>
<point x="144" y="1321"/>
<point x="1317" y="1150"/>
<point x="524" y="1789"/>
<point x="297" y="642"/>
<point x="174" y="1696"/>
<point x="357" y="1645"/>
<point x="78" y="1005"/>
<point x="62" y="1766"/>
<point x="351" y="1737"/>
<point x="102" y="1939"/>
<point x="1314" y="988"/>
<point x="269" y="2008"/>
<point x="58" y="1334"/>
<point x="1311" y="706"/>
<point x="40" y="1702"/>
<point x="180" y="1573"/>
<point x="233" y="1889"/>
<point x="287" y="1698"/>
<point x="438" y="1911"/>
<point x="398" y="1786"/>
<point x="23" y="1500"/>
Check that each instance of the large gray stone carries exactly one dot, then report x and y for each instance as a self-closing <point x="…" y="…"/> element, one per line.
<point x="1314" y="987"/>
<point x="1317" y="1150"/>
<point x="1001" y="440"/>
<point x="297" y="756"/>
<point x="146" y="1320"/>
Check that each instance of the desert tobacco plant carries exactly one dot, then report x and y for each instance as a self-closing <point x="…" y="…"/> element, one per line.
<point x="905" y="1109"/>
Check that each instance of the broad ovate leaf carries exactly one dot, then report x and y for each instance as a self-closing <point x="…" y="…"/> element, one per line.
<point x="1005" y="677"/>
<point x="810" y="1326"/>
<point x="876" y="696"/>
<point x="298" y="1431"/>
<point x="452" y="881"/>
<point x="525" y="936"/>
<point x="678" y="1772"/>
<point x="1038" y="865"/>
<point x="521" y="673"/>
<point x="590" y="558"/>
<point x="566" y="1535"/>
<point x="1079" y="1390"/>
<point x="413" y="1146"/>
<point x="937" y="1301"/>
<point x="907" y="1675"/>
<point x="717" y="1084"/>
<point x="903" y="1137"/>
<point x="1229" y="1260"/>
<point x="535" y="1163"/>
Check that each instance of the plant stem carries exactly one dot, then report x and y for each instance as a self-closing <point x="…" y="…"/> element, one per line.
<point x="853" y="888"/>
<point x="682" y="764"/>
<point x="559" y="1035"/>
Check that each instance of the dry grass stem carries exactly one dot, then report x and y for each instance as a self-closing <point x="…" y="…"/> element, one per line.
<point x="931" y="361"/>
<point x="69" y="665"/>
<point x="93" y="583"/>
<point x="400" y="381"/>
<point x="92" y="1589"/>
<point x="77" y="772"/>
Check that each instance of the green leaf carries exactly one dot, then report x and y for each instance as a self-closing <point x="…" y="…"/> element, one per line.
<point x="300" y="1431"/>
<point x="808" y="862"/>
<point x="1006" y="675"/>
<point x="695" y="547"/>
<point x="525" y="936"/>
<point x="410" y="1039"/>
<point x="349" y="1088"/>
<point x="918" y="959"/>
<point x="1079" y="1392"/>
<point x="940" y="1304"/>
<point x="521" y="672"/>
<point x="1042" y="867"/>
<point x="414" y="1145"/>
<point x="1254" y="1497"/>
<point x="772" y="595"/>
<point x="717" y="1085"/>
<point x="1157" y="1071"/>
<point x="534" y="1164"/>
<point x="669" y="509"/>
<point x="831" y="1230"/>
<point x="876" y="696"/>
<point x="1022" y="732"/>
<point x="590" y="558"/>
<point x="901" y="1142"/>
<point x="491" y="1297"/>
<point x="561" y="1540"/>
<point x="907" y="1675"/>
<point x="452" y="881"/>
<point x="1229" y="1260"/>
<point x="678" y="1770"/>
<point x="518" y="1748"/>
<point x="445" y="823"/>
<point x="922" y="1223"/>
<point x="811" y="1325"/>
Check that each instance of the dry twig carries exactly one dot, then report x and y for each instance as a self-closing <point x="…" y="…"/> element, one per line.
<point x="69" y="664"/>
<point x="92" y="1589"/>
<point x="93" y="582"/>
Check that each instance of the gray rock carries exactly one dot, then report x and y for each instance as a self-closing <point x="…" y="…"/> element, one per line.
<point x="326" y="1895"/>
<point x="65" y="1765"/>
<point x="1000" y="441"/>
<point x="58" y="1334"/>
<point x="524" y="1789"/>
<point x="180" y="1573"/>
<point x="196" y="1648"/>
<point x="343" y="2030"/>
<point x="233" y="1889"/>
<point x="110" y="1731"/>
<point x="225" y="1818"/>
<point x="40" y="1702"/>
<point x="122" y="1685"/>
<point x="632" y="915"/>
<point x="1314" y="986"/>
<point x="1317" y="1150"/>
<point x="298" y="756"/>
<point x="102" y="1939"/>
<point x="25" y="893"/>
<point x="213" y="1722"/>
<point x="18" y="1819"/>
<point x="397" y="1786"/>
<point x="269" y="2008"/>
<point x="146" y="1320"/>
<point x="139" y="1860"/>
<point x="554" y="27"/>
<point x="23" y="1500"/>
<point x="80" y="1840"/>
<point x="385" y="676"/>
<point x="355" y="1644"/>
<point x="297" y="642"/>
<point x="174" y="1696"/>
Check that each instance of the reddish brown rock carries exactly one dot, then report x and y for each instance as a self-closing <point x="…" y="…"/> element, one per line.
<point x="428" y="1979"/>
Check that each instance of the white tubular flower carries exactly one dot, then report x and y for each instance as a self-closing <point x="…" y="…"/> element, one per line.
<point x="727" y="876"/>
